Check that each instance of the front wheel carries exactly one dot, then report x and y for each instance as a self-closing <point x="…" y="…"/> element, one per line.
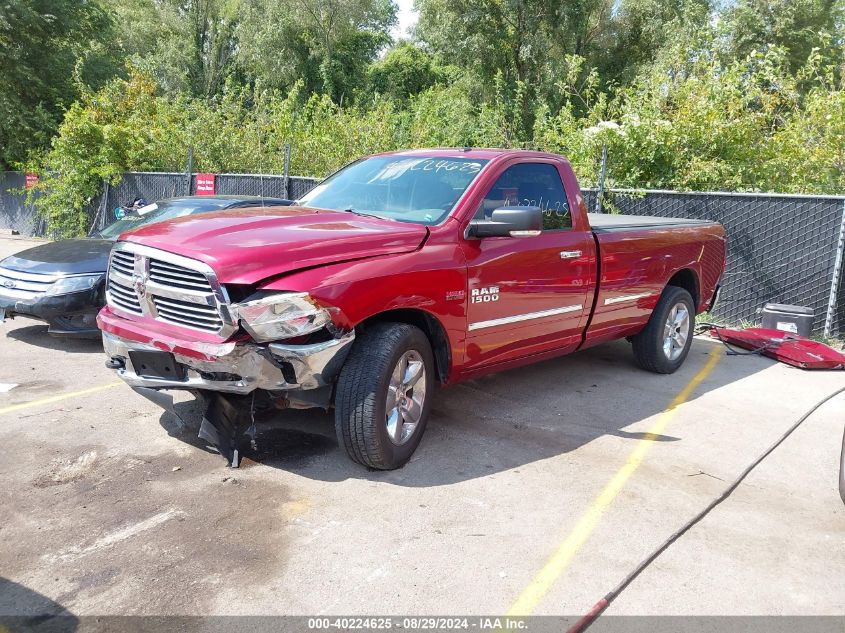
<point x="383" y="395"/>
<point x="665" y="342"/>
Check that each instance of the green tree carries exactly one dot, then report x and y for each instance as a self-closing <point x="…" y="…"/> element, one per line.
<point x="185" y="45"/>
<point x="48" y="50"/>
<point x="404" y="71"/>
<point x="519" y="47"/>
<point x="529" y="42"/>
<point x="489" y="37"/>
<point x="326" y="43"/>
<point x="798" y="26"/>
<point x="633" y="36"/>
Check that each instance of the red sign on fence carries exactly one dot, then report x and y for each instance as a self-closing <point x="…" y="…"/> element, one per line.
<point x="205" y="184"/>
<point x="31" y="180"/>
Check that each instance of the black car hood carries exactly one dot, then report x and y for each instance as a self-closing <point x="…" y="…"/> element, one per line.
<point x="69" y="257"/>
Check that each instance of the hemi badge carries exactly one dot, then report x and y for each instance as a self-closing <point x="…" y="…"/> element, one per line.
<point x="455" y="295"/>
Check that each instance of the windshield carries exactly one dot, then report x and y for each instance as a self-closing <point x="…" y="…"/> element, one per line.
<point x="422" y="190"/>
<point x="157" y="212"/>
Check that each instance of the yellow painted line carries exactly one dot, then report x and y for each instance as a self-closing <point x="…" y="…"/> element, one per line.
<point x="62" y="396"/>
<point x="569" y="547"/>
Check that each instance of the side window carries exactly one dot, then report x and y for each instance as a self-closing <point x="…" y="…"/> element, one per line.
<point x="530" y="185"/>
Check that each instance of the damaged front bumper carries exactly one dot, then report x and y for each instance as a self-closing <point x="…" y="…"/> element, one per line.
<point x="294" y="375"/>
<point x="238" y="367"/>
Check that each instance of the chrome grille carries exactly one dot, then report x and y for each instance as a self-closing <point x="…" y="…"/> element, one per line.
<point x="178" y="276"/>
<point x="21" y="285"/>
<point x="170" y="288"/>
<point x="124" y="263"/>
<point x="123" y="297"/>
<point x="188" y="314"/>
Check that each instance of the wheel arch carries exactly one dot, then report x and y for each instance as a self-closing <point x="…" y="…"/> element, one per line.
<point x="430" y="326"/>
<point x="687" y="279"/>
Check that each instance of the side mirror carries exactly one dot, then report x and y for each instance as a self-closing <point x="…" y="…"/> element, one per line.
<point x="509" y="222"/>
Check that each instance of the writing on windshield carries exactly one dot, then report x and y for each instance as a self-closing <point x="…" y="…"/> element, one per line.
<point x="422" y="190"/>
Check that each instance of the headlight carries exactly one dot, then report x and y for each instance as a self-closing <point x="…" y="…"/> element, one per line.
<point x="75" y="283"/>
<point x="280" y="316"/>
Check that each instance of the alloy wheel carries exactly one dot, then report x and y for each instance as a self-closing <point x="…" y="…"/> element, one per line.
<point x="405" y="397"/>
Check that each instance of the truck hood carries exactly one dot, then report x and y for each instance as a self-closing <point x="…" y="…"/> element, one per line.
<point x="66" y="257"/>
<point x="246" y="246"/>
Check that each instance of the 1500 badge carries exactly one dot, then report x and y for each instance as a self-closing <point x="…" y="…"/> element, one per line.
<point x="485" y="295"/>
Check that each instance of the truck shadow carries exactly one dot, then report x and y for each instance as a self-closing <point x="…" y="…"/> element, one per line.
<point x="22" y="609"/>
<point x="498" y="422"/>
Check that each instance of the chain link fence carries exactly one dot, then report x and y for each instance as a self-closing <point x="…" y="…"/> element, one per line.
<point x="154" y="186"/>
<point x="15" y="214"/>
<point x="18" y="216"/>
<point x="781" y="248"/>
<point x="21" y="218"/>
<point x="269" y="186"/>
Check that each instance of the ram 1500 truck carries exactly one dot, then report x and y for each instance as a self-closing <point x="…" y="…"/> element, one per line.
<point x="400" y="272"/>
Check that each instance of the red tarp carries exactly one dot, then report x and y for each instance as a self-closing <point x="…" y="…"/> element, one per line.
<point x="791" y="349"/>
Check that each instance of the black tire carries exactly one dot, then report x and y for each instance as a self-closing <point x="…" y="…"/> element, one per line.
<point x="648" y="344"/>
<point x="362" y="389"/>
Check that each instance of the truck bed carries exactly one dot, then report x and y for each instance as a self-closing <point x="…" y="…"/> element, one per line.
<point x="637" y="254"/>
<point x="604" y="222"/>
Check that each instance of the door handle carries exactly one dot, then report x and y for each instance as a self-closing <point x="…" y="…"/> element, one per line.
<point x="570" y="254"/>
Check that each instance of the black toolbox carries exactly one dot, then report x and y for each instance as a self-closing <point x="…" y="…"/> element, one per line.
<point x="794" y="319"/>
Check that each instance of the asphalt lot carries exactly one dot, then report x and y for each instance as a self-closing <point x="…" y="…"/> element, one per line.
<point x="108" y="508"/>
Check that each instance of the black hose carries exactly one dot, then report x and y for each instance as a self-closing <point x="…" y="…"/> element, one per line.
<point x="599" y="607"/>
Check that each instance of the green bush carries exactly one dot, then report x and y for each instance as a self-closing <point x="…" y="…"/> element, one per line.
<point x="690" y="123"/>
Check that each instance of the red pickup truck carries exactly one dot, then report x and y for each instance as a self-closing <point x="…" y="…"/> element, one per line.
<point x="400" y="272"/>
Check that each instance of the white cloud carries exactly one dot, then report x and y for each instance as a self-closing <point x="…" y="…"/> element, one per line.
<point x="407" y="18"/>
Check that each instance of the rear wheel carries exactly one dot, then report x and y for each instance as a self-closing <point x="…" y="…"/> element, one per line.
<point x="383" y="394"/>
<point x="665" y="342"/>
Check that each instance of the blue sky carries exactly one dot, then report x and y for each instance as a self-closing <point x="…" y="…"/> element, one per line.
<point x="407" y="17"/>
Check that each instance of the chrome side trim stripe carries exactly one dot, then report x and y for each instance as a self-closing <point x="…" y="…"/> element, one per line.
<point x="480" y="325"/>
<point x="613" y="300"/>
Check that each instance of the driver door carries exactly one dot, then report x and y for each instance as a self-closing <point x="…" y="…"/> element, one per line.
<point x="528" y="295"/>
